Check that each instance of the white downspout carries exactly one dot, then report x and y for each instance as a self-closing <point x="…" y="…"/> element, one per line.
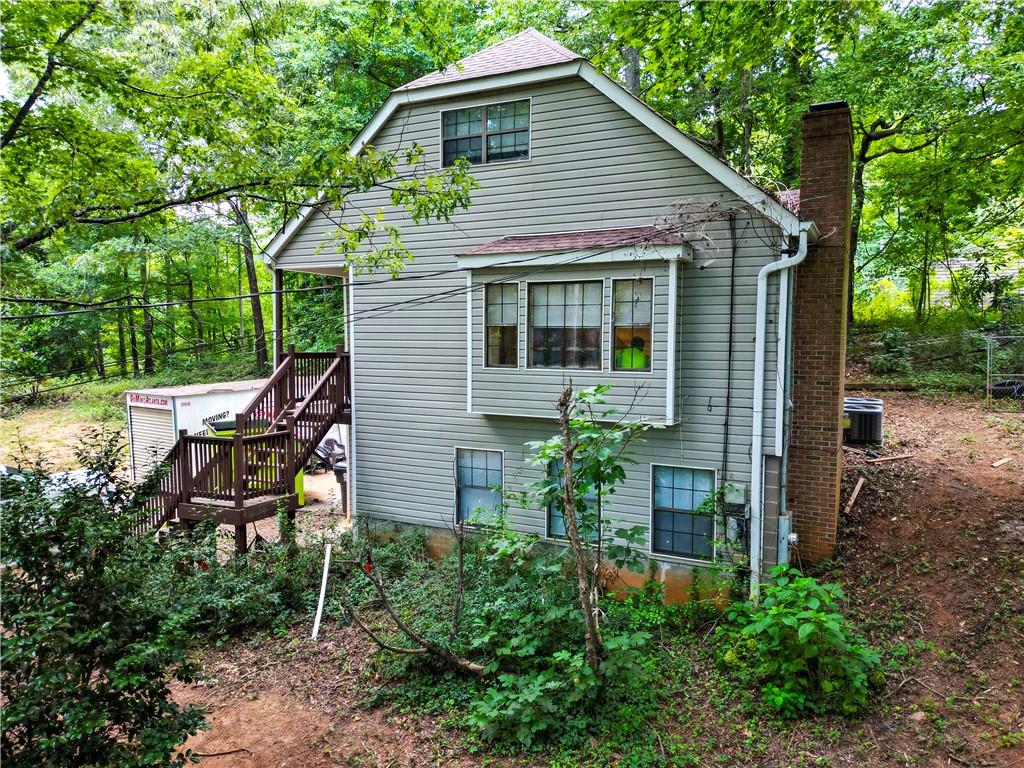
<point x="757" y="432"/>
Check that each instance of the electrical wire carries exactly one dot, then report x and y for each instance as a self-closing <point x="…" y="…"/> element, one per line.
<point x="159" y="305"/>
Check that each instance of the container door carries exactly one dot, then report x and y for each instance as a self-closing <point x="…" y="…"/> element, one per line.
<point x="152" y="436"/>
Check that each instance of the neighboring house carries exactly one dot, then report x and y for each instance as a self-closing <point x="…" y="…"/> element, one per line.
<point x="598" y="249"/>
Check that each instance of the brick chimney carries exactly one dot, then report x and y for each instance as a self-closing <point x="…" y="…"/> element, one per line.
<point x="819" y="331"/>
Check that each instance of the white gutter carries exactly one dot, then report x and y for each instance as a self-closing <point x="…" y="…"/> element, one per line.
<point x="757" y="432"/>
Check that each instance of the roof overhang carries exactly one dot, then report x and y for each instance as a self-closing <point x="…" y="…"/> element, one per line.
<point x="742" y="187"/>
<point x="621" y="255"/>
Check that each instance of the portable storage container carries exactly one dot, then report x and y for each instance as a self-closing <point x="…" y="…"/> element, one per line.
<point x="156" y="415"/>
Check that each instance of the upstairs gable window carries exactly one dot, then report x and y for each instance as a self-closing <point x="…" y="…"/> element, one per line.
<point x="487" y="134"/>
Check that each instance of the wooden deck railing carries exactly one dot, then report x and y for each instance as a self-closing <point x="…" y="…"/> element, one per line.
<point x="274" y="437"/>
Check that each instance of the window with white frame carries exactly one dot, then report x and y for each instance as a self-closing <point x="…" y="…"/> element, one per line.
<point x="632" y="313"/>
<point x="501" y="309"/>
<point x="565" y="324"/>
<point x="478" y="483"/>
<point x="680" y="525"/>
<point x="587" y="503"/>
<point x="486" y="134"/>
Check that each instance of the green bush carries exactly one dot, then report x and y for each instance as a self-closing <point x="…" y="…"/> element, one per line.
<point x="87" y="651"/>
<point x="895" y="355"/>
<point x="521" y="622"/>
<point x="796" y="644"/>
<point x="217" y="597"/>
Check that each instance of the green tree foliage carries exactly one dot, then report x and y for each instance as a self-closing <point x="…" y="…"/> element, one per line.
<point x="130" y="128"/>
<point x="88" y="650"/>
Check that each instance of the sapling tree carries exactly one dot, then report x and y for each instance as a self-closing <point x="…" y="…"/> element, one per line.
<point x="583" y="464"/>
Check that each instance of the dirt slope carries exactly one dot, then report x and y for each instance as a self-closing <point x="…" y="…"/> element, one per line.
<point x="932" y="555"/>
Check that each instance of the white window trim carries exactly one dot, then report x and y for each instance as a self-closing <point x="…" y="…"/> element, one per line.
<point x="623" y="254"/>
<point x="483" y="149"/>
<point x="650" y="517"/>
<point x="526" y="325"/>
<point x="611" y="327"/>
<point x="483" y="326"/>
<point x="455" y="476"/>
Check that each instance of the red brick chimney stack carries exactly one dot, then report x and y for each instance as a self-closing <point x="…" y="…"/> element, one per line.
<point x="819" y="331"/>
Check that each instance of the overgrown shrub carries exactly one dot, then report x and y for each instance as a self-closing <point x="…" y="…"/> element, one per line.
<point x="87" y="651"/>
<point x="798" y="647"/>
<point x="895" y="355"/>
<point x="216" y="597"/>
<point x="519" y="620"/>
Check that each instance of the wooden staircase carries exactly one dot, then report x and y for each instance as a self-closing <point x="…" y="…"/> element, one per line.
<point x="250" y="475"/>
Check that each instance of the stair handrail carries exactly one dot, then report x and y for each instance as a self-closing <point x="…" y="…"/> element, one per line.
<point x="278" y="381"/>
<point x="342" y="384"/>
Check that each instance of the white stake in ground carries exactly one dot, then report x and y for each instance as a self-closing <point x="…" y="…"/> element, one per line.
<point x="323" y="590"/>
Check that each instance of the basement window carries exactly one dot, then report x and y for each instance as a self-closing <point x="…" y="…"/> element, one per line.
<point x="488" y="134"/>
<point x="478" y="484"/>
<point x="556" y="509"/>
<point x="677" y="527"/>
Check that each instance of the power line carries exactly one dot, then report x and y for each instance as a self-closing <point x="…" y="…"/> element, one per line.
<point x="114" y="376"/>
<point x="98" y="306"/>
<point x="379" y="311"/>
<point x="159" y="305"/>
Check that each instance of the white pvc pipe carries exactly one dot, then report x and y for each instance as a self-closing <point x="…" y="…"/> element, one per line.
<point x="757" y="431"/>
<point x="323" y="590"/>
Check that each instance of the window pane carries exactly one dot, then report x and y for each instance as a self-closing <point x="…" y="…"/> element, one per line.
<point x="703" y="479"/>
<point x="565" y="320"/>
<point x="502" y="324"/>
<point x="507" y="146"/>
<point x="632" y="312"/>
<point x="677" y="530"/>
<point x="478" y="473"/>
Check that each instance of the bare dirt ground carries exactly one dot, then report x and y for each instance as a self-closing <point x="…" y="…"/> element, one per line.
<point x="48" y="432"/>
<point x="932" y="553"/>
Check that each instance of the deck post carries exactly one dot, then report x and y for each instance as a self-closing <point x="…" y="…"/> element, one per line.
<point x="238" y="459"/>
<point x="186" y="468"/>
<point x="290" y="470"/>
<point x="238" y="482"/>
<point x="290" y="378"/>
<point x="289" y="455"/>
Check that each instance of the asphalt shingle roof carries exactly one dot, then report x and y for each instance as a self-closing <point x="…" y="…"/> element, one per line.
<point x="527" y="50"/>
<point x="573" y="241"/>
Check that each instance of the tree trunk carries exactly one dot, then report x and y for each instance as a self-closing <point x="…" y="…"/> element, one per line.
<point x="631" y="74"/>
<point x="169" y="311"/>
<point x="101" y="366"/>
<point x="133" y="338"/>
<point x="260" y="346"/>
<point x="855" y="218"/>
<point x="584" y="586"/>
<point x="122" y="357"/>
<point x="197" y="321"/>
<point x="147" y="320"/>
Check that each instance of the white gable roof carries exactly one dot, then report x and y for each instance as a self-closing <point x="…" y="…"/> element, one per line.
<point x="529" y="58"/>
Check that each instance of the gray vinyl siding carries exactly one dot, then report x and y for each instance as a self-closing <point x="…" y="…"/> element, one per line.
<point x="591" y="166"/>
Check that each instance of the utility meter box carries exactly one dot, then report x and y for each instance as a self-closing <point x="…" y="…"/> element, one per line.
<point x="155" y="416"/>
<point x="736" y="504"/>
